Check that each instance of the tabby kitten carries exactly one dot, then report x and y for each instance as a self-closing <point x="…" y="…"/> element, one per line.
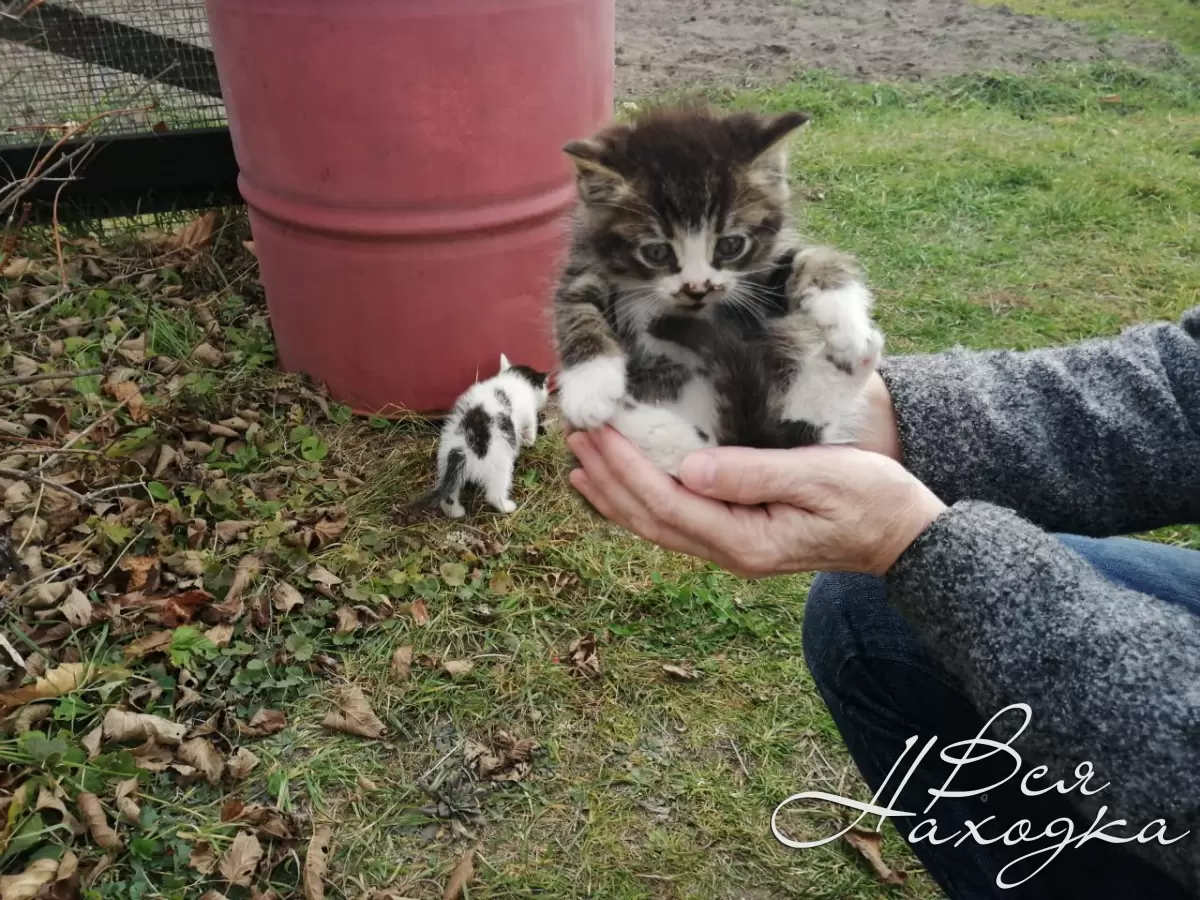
<point x="689" y="313"/>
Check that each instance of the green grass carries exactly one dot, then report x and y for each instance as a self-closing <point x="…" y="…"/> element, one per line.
<point x="1174" y="21"/>
<point x="989" y="210"/>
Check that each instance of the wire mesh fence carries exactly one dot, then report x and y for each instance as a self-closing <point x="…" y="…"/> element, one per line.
<point x="67" y="61"/>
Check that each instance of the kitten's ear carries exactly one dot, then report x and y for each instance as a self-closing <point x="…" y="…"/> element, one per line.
<point x="766" y="139"/>
<point x="596" y="180"/>
<point x="504" y="363"/>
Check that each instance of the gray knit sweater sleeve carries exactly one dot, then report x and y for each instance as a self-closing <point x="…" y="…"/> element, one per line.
<point x="1100" y="438"/>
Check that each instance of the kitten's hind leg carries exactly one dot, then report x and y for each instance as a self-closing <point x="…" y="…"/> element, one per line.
<point x="664" y="436"/>
<point x="499" y="486"/>
<point x="823" y="402"/>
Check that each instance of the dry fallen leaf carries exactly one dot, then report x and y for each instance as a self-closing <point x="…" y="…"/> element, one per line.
<point x="402" y="662"/>
<point x="463" y="875"/>
<point x="77" y="608"/>
<point x="241" y="860"/>
<point x="55" y="683"/>
<point x="456" y="667"/>
<point x="202" y="858"/>
<point x="53" y="799"/>
<point x="286" y="598"/>
<point x="127" y="392"/>
<point x="330" y="527"/>
<point x="262" y="723"/>
<point x="229" y="530"/>
<point x="208" y="355"/>
<point x="241" y="764"/>
<point x="509" y="761"/>
<point x="680" y="672"/>
<point x="94" y="818"/>
<point x="181" y="608"/>
<point x="129" y="810"/>
<point x="149" y="643"/>
<point x="347" y="620"/>
<point x="233" y="606"/>
<point x="213" y="895"/>
<point x="316" y="861"/>
<point x="354" y="715"/>
<point x="143" y="572"/>
<point x="868" y="844"/>
<point x="322" y="576"/>
<point x="220" y="635"/>
<point x="584" y="656"/>
<point x="420" y="612"/>
<point x="29" y="883"/>
<point x="195" y="234"/>
<point x="126" y="726"/>
<point x="204" y="756"/>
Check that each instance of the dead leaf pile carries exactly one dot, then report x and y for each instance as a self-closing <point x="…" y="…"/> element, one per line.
<point x="508" y="759"/>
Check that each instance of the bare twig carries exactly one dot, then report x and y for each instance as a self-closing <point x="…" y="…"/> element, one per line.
<point x="47" y="376"/>
<point x="35" y="478"/>
<point x="62" y="266"/>
<point x="49" y="301"/>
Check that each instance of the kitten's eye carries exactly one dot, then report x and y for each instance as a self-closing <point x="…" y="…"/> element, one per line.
<point x="731" y="247"/>
<point x="658" y="253"/>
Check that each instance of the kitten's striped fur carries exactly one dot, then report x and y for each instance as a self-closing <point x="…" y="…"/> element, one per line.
<point x="689" y="313"/>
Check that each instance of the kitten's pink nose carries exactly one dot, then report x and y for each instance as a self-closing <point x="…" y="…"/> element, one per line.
<point x="697" y="290"/>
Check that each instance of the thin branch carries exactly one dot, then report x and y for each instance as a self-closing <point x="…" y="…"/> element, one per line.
<point x="47" y="376"/>
<point x="34" y="478"/>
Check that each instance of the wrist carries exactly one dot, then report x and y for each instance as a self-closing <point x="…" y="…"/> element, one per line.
<point x="920" y="511"/>
<point x="879" y="431"/>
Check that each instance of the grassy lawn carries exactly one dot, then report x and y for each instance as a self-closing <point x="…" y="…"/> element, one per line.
<point x="990" y="211"/>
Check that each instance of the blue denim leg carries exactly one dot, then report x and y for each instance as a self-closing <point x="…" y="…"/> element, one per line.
<point x="882" y="687"/>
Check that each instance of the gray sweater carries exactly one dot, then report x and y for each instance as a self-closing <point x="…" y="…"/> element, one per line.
<point x="1101" y="438"/>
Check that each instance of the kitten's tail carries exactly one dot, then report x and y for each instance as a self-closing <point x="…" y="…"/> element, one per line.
<point x="451" y="481"/>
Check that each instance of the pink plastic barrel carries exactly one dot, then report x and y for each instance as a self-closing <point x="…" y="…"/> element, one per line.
<point x="402" y="163"/>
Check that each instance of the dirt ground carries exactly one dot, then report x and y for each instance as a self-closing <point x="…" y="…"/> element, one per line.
<point x="667" y="44"/>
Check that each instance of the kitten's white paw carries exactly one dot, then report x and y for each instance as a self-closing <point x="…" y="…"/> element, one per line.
<point x="505" y="505"/>
<point x="852" y="341"/>
<point x="662" y="435"/>
<point x="454" y="510"/>
<point x="590" y="394"/>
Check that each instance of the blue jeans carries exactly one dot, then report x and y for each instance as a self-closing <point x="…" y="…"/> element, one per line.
<point x="882" y="687"/>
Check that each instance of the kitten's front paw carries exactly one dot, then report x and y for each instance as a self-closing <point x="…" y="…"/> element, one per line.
<point x="852" y="341"/>
<point x="590" y="394"/>
<point x="662" y="435"/>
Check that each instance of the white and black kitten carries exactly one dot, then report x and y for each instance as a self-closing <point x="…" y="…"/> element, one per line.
<point x="689" y="313"/>
<point x="483" y="435"/>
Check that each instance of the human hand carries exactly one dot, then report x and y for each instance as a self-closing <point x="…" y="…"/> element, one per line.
<point x="759" y="513"/>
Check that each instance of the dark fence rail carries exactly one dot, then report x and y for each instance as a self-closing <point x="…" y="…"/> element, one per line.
<point x="63" y="63"/>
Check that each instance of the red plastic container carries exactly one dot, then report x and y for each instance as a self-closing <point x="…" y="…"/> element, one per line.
<point x="402" y="163"/>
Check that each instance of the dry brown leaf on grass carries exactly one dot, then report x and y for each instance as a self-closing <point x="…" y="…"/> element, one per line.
<point x="463" y="875"/>
<point x="354" y="715"/>
<point x="127" y="392"/>
<point x="402" y="662"/>
<point x="316" y="862"/>
<point x="29" y="883"/>
<point x="220" y="635"/>
<point x="126" y="726"/>
<point x="143" y="572"/>
<point x="241" y="764"/>
<point x="97" y="822"/>
<point x="194" y="235"/>
<point x="202" y="858"/>
<point x="152" y="757"/>
<point x="77" y="608"/>
<point x="286" y="598"/>
<point x="263" y="723"/>
<point x="148" y="643"/>
<point x="869" y="844"/>
<point x="271" y="823"/>
<point x="509" y="760"/>
<point x="209" y="355"/>
<point x="200" y="753"/>
<point x="213" y="895"/>
<point x="681" y="673"/>
<point x="347" y="620"/>
<point x="456" y="667"/>
<point x="228" y="531"/>
<point x="48" y="799"/>
<point x="240" y="861"/>
<point x="584" y="656"/>
<point x="420" y="612"/>
<point x="129" y="811"/>
<point x="58" y="681"/>
<point x="179" y="609"/>
<point x="233" y="606"/>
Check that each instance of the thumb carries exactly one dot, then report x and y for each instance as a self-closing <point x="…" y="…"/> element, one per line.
<point x="748" y="476"/>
